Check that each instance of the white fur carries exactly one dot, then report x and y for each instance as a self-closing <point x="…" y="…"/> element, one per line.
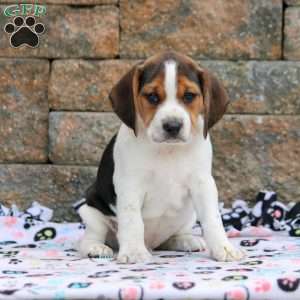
<point x="162" y="187"/>
<point x="170" y="80"/>
<point x="97" y="227"/>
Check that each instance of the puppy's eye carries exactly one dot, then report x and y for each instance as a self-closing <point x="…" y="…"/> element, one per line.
<point x="188" y="97"/>
<point x="152" y="98"/>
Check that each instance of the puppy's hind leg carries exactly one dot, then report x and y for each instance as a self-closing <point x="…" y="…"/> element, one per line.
<point x="184" y="239"/>
<point x="92" y="243"/>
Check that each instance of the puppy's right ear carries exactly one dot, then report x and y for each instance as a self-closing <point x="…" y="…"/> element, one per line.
<point x="122" y="97"/>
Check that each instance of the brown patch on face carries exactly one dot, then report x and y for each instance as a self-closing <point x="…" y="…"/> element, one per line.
<point x="210" y="96"/>
<point x="151" y="82"/>
<point x="194" y="107"/>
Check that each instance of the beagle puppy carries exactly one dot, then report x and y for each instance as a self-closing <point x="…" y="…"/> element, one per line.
<point x="154" y="179"/>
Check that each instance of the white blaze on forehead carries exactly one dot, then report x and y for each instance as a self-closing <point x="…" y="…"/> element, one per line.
<point x="170" y="79"/>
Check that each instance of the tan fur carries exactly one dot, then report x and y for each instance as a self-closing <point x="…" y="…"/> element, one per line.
<point x="145" y="109"/>
<point x="196" y="106"/>
<point x="127" y="100"/>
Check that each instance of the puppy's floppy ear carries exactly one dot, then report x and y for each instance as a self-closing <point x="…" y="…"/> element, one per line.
<point x="122" y="97"/>
<point x="215" y="99"/>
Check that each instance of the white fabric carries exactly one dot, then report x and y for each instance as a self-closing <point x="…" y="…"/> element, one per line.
<point x="52" y="269"/>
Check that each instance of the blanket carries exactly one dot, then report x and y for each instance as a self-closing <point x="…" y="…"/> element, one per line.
<point x="39" y="260"/>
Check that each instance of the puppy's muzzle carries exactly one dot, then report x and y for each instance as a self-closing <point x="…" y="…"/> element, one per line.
<point x="172" y="127"/>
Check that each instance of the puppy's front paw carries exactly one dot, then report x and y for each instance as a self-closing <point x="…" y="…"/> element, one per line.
<point x="90" y="248"/>
<point x="227" y="252"/>
<point x="133" y="255"/>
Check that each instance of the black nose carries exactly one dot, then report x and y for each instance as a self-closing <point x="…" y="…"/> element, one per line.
<point x="172" y="127"/>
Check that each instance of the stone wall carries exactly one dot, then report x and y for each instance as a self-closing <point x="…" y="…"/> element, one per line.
<point x="55" y="117"/>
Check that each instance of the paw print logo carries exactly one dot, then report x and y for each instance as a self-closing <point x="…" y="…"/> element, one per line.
<point x="24" y="32"/>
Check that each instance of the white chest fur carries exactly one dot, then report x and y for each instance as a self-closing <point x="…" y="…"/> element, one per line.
<point x="166" y="189"/>
<point x="162" y="176"/>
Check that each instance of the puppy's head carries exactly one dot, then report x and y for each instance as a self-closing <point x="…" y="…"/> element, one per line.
<point x="170" y="97"/>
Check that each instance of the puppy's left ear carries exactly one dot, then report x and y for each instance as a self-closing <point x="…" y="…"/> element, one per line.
<point x="215" y="99"/>
<point x="122" y="97"/>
